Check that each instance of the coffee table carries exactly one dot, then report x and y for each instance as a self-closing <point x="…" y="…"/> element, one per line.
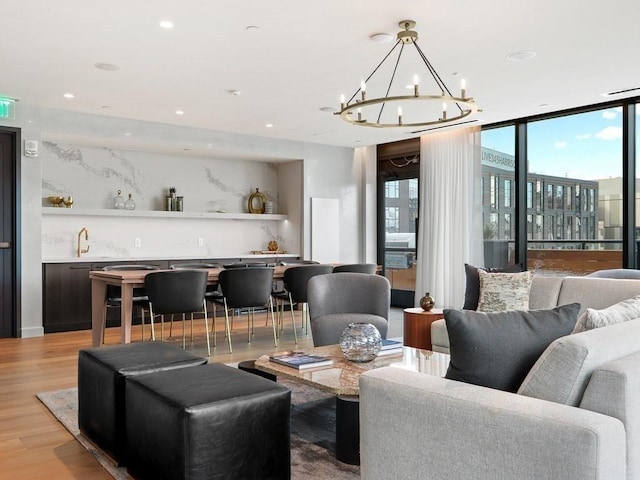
<point x="342" y="379"/>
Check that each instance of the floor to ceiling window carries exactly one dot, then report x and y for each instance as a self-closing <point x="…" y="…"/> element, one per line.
<point x="575" y="161"/>
<point x="498" y="195"/>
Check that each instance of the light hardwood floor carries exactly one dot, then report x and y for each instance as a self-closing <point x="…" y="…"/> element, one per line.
<point x="33" y="445"/>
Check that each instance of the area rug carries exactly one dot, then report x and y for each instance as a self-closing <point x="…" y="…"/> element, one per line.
<point x="312" y="433"/>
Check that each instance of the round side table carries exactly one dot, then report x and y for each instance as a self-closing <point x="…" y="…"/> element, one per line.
<point x="417" y="326"/>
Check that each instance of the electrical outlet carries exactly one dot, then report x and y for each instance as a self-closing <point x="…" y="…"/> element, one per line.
<point x="201" y="242"/>
<point x="137" y="242"/>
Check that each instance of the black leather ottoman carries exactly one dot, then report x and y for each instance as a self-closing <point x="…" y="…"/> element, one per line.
<point x="207" y="422"/>
<point x="101" y="384"/>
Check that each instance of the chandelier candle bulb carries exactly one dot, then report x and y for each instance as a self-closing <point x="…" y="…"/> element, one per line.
<point x="363" y="89"/>
<point x="341" y="101"/>
<point x="463" y="88"/>
<point x="444" y="111"/>
<point x="359" y="114"/>
<point x="399" y="115"/>
<point x="415" y="85"/>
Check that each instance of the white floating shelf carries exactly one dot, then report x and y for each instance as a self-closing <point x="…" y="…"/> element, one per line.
<point x="160" y="214"/>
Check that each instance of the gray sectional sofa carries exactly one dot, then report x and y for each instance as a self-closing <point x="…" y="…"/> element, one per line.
<point x="576" y="415"/>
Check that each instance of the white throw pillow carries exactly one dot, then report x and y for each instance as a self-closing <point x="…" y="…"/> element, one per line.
<point x="620" y="312"/>
<point x="504" y="291"/>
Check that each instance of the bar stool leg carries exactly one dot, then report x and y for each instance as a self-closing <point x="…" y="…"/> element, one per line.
<point x="226" y="318"/>
<point x="206" y="327"/>
<point x="275" y="337"/>
<point x="293" y="320"/>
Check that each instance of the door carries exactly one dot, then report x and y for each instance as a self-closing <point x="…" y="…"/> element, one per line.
<point x="400" y="231"/>
<point x="8" y="283"/>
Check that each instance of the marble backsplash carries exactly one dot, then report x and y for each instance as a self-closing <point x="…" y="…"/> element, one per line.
<point x="92" y="175"/>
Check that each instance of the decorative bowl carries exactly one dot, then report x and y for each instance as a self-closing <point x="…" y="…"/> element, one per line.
<point x="56" y="201"/>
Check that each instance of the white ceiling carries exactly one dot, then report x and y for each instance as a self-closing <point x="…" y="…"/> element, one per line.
<point x="304" y="55"/>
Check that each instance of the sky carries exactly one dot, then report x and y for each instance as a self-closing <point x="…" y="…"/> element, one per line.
<point x="587" y="146"/>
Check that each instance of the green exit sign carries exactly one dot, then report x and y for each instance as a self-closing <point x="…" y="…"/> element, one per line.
<point x="7" y="108"/>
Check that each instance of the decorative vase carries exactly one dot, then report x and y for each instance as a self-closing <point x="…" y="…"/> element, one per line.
<point x="427" y="302"/>
<point x="360" y="342"/>
<point x="118" y="201"/>
<point x="257" y="202"/>
<point x="130" y="204"/>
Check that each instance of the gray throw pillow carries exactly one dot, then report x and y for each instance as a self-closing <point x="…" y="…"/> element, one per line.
<point x="497" y="350"/>
<point x="472" y="289"/>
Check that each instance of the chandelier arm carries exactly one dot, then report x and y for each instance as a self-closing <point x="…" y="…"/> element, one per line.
<point x="435" y="75"/>
<point x="393" y="75"/>
<point x="374" y="70"/>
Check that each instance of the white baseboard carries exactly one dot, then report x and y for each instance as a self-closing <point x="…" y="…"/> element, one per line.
<point x="30" y="332"/>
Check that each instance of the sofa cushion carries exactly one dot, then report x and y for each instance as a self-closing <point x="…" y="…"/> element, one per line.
<point x="628" y="309"/>
<point x="497" y="350"/>
<point x="472" y="289"/>
<point x="614" y="390"/>
<point x="562" y="372"/>
<point x="504" y="291"/>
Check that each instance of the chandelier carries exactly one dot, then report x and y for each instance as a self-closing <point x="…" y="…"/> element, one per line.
<point x="413" y="109"/>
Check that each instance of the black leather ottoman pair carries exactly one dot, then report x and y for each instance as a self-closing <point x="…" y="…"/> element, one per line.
<point x="207" y="422"/>
<point x="101" y="387"/>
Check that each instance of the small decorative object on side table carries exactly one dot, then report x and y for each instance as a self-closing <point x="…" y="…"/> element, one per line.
<point x="360" y="342"/>
<point x="427" y="302"/>
<point x="417" y="326"/>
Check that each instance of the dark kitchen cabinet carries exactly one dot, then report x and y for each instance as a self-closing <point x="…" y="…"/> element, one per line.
<point x="66" y="297"/>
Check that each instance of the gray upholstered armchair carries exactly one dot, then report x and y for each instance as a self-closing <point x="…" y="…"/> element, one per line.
<point x="338" y="299"/>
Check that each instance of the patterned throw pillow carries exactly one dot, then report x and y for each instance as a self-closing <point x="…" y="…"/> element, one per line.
<point x="504" y="291"/>
<point x="472" y="287"/>
<point x="620" y="312"/>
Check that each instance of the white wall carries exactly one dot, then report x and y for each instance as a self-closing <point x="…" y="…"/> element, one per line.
<point x="331" y="172"/>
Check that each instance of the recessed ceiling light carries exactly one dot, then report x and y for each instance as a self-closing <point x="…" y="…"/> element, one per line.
<point x="252" y="28"/>
<point x="179" y="112"/>
<point x="105" y="106"/>
<point x="521" y="55"/>
<point x="381" y="37"/>
<point x="544" y="105"/>
<point x="68" y="95"/>
<point x="269" y="125"/>
<point x="234" y="92"/>
<point x="127" y="134"/>
<point x="108" y="67"/>
<point x="328" y="109"/>
<point x="168" y="24"/>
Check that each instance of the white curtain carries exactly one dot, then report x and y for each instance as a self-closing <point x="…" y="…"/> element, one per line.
<point x="450" y="223"/>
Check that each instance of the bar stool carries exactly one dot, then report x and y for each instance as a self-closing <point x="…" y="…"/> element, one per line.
<point x="246" y="288"/>
<point x="114" y="293"/>
<point x="177" y="291"/>
<point x="213" y="290"/>
<point x="295" y="283"/>
<point x="356" y="268"/>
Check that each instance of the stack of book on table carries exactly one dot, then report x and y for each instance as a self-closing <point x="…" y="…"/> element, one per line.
<point x="390" y="347"/>
<point x="300" y="360"/>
